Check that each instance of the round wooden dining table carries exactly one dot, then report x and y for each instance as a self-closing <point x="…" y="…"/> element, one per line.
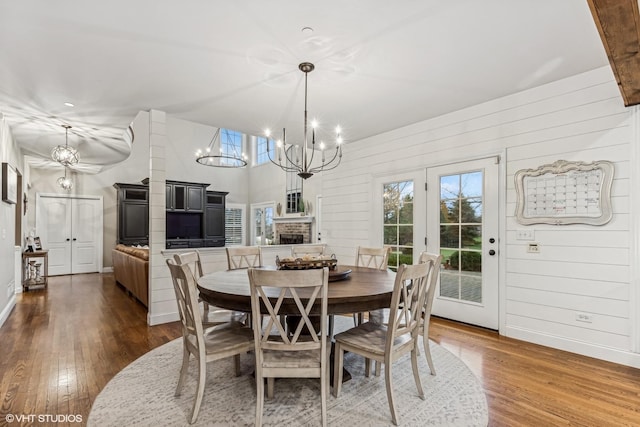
<point x="359" y="289"/>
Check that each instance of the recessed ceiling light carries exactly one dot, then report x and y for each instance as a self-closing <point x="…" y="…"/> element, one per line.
<point x="307" y="30"/>
<point x="69" y="104"/>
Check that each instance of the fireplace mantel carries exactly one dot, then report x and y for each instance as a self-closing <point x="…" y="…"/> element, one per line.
<point x="292" y="218"/>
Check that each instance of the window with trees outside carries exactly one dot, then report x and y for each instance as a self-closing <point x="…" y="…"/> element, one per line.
<point x="398" y="222"/>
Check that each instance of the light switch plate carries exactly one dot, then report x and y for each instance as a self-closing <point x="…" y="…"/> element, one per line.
<point x="533" y="248"/>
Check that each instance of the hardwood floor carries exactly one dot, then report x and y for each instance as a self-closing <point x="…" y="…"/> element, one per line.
<point x="60" y="347"/>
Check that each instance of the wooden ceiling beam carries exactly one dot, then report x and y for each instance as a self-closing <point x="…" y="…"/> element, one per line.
<point x="618" y="23"/>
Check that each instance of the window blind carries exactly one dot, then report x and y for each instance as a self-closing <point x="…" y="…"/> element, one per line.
<point x="233" y="226"/>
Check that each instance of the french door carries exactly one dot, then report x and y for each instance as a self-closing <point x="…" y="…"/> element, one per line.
<point x="71" y="229"/>
<point x="263" y="231"/>
<point x="464" y="229"/>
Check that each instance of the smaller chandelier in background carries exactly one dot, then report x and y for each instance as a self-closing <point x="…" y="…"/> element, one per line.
<point x="65" y="182"/>
<point x="214" y="156"/>
<point x="64" y="154"/>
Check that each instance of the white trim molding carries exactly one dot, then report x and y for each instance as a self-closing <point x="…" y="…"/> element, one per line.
<point x="634" y="225"/>
<point x="4" y="315"/>
<point x="574" y="346"/>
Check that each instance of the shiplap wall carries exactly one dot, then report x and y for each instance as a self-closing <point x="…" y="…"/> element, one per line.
<point x="580" y="268"/>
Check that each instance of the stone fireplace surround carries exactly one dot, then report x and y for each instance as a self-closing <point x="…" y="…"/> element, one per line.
<point x="293" y="225"/>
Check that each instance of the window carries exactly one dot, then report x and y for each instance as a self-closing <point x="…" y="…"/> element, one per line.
<point x="261" y="150"/>
<point x="398" y="222"/>
<point x="231" y="144"/>
<point x="234" y="224"/>
<point x="293" y="186"/>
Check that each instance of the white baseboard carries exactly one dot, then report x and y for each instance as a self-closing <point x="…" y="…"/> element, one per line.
<point x="159" y="319"/>
<point x="107" y="270"/>
<point x="7" y="310"/>
<point x="614" y="355"/>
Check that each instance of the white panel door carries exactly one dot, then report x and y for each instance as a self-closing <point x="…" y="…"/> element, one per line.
<point x="53" y="226"/>
<point x="464" y="229"/>
<point x="71" y="229"/>
<point x="86" y="214"/>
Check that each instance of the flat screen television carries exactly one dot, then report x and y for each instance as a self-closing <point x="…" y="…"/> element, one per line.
<point x="182" y="225"/>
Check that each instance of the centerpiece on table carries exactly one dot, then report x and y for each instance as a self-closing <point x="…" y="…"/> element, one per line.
<point x="307" y="262"/>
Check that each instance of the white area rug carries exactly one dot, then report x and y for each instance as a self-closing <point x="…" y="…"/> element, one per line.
<point x="142" y="394"/>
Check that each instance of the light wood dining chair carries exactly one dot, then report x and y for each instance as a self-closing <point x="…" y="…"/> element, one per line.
<point x="283" y="354"/>
<point x="387" y="343"/>
<point x="211" y="316"/>
<point x="435" y="261"/>
<point x="377" y="258"/>
<point x="218" y="343"/>
<point x="300" y="251"/>
<point x="244" y="257"/>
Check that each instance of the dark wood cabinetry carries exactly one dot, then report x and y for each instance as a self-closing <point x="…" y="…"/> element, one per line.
<point x="186" y="215"/>
<point x="185" y="196"/>
<point x="214" y="233"/>
<point x="195" y="217"/>
<point x="133" y="214"/>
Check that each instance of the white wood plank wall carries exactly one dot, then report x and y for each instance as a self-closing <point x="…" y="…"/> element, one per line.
<point x="580" y="268"/>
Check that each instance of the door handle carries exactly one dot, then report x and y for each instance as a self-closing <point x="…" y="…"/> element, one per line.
<point x="74" y="239"/>
<point x="491" y="252"/>
<point x="68" y="240"/>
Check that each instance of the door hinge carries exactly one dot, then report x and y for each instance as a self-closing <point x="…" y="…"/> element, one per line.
<point x="425" y="241"/>
<point x="425" y="186"/>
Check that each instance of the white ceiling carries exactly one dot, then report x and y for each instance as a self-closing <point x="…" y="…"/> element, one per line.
<point x="380" y="64"/>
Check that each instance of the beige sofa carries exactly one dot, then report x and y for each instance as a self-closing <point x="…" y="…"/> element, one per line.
<point x="131" y="270"/>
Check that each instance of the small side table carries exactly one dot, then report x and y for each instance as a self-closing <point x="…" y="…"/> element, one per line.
<point x="31" y="281"/>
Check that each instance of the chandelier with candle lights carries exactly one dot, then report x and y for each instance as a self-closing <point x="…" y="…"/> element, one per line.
<point x="298" y="158"/>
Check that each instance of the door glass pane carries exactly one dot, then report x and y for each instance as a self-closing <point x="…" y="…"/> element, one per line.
<point x="268" y="226"/>
<point x="461" y="201"/>
<point x="449" y="187"/>
<point x="264" y="227"/>
<point x="447" y="207"/>
<point x="471" y="184"/>
<point x="471" y="236"/>
<point x="397" y="202"/>
<point x="450" y="236"/>
<point x="449" y="287"/>
<point x="405" y="236"/>
<point x="259" y="229"/>
<point x="390" y="235"/>
<point x="473" y="212"/>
